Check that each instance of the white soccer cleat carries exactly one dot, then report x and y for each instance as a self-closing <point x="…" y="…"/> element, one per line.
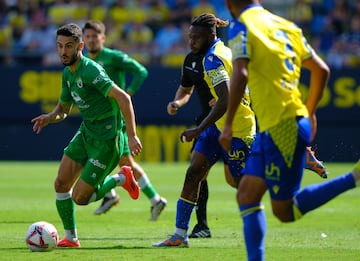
<point x="156" y="210"/>
<point x="107" y="204"/>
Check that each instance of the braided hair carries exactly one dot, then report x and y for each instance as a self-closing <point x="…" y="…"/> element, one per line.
<point x="210" y="21"/>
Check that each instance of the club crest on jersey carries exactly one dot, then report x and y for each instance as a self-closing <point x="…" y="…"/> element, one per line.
<point x="68" y="84"/>
<point x="79" y="83"/>
<point x="193" y="64"/>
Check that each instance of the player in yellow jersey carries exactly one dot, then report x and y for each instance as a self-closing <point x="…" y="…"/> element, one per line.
<point x="268" y="55"/>
<point x="207" y="150"/>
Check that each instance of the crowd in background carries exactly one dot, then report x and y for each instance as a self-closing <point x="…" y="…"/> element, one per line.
<point x="155" y="31"/>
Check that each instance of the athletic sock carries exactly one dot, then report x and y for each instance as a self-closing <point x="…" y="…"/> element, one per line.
<point x="201" y="211"/>
<point x="106" y="187"/>
<point x="71" y="234"/>
<point x="65" y="207"/>
<point x="184" y="209"/>
<point x="316" y="195"/>
<point x="148" y="189"/>
<point x="111" y="194"/>
<point x="254" y="227"/>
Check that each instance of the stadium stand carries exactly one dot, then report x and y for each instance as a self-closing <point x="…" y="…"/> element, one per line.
<point x="138" y="26"/>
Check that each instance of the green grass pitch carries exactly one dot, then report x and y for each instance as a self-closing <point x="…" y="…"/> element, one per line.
<point x="332" y="232"/>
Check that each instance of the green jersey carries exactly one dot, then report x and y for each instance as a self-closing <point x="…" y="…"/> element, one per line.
<point x="88" y="89"/>
<point x="117" y="64"/>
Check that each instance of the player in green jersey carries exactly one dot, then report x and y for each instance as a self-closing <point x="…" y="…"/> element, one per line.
<point x="117" y="64"/>
<point x="95" y="149"/>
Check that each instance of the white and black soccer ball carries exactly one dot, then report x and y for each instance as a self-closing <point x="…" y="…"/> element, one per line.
<point x="41" y="236"/>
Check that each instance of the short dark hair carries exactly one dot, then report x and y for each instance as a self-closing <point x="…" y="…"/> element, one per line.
<point x="95" y="25"/>
<point x="72" y="30"/>
<point x="210" y="21"/>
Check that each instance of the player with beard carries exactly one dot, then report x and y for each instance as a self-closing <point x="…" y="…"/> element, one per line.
<point x="207" y="150"/>
<point x="192" y="78"/>
<point x="117" y="64"/>
<point x="95" y="149"/>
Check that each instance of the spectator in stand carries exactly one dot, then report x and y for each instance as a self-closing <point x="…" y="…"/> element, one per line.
<point x="181" y="12"/>
<point x="33" y="38"/>
<point x="165" y="39"/>
<point x="139" y="36"/>
<point x="339" y="16"/>
<point x="300" y="12"/>
<point x="335" y="57"/>
<point x="202" y="7"/>
<point x="157" y="14"/>
<point x="352" y="39"/>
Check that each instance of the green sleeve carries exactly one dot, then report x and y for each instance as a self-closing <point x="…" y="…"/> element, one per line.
<point x="138" y="71"/>
<point x="99" y="79"/>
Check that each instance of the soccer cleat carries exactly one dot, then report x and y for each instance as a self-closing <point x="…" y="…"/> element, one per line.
<point x="173" y="241"/>
<point x="107" y="204"/>
<point x="67" y="243"/>
<point x="156" y="210"/>
<point x="130" y="183"/>
<point x="315" y="165"/>
<point x="200" y="233"/>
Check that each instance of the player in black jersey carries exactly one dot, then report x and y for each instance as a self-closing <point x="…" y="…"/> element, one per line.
<point x="192" y="78"/>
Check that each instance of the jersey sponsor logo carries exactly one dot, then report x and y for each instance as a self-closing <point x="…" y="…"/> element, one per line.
<point x="218" y="75"/>
<point x="97" y="163"/>
<point x="237" y="155"/>
<point x="193" y="69"/>
<point x="272" y="172"/>
<point x="79" y="101"/>
<point x="99" y="78"/>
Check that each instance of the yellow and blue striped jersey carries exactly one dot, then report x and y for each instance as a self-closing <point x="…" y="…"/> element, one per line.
<point x="275" y="48"/>
<point x="217" y="64"/>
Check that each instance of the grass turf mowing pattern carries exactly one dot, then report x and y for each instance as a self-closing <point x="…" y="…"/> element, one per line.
<point x="26" y="189"/>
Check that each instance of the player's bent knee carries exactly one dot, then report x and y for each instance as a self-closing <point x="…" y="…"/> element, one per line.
<point x="61" y="187"/>
<point x="284" y="214"/>
<point x="80" y="199"/>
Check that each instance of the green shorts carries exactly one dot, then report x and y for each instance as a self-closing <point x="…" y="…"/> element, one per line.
<point x="98" y="157"/>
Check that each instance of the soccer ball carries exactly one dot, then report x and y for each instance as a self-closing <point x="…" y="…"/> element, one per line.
<point x="41" y="236"/>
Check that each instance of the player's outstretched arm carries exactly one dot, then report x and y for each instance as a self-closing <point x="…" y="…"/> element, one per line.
<point x="182" y="97"/>
<point x="60" y="112"/>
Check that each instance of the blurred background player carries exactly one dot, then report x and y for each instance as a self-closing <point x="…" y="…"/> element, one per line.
<point x="117" y="64"/>
<point x="95" y="149"/>
<point x="207" y="150"/>
<point x="286" y="125"/>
